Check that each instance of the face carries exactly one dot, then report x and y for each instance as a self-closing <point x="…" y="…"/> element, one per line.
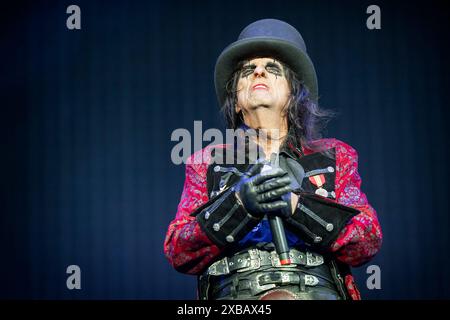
<point x="262" y="84"/>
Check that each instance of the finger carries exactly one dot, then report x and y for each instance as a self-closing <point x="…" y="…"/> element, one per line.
<point x="273" y="206"/>
<point x="269" y="174"/>
<point x="273" y="184"/>
<point x="254" y="169"/>
<point x="273" y="194"/>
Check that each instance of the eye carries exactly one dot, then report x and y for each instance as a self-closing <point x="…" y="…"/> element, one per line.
<point x="274" y="69"/>
<point x="246" y="71"/>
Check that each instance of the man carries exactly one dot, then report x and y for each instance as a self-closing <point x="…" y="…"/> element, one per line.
<point x="266" y="83"/>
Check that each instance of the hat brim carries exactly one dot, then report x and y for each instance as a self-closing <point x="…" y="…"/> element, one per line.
<point x="295" y="58"/>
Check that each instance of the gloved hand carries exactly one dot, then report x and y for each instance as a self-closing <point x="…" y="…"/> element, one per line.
<point x="261" y="193"/>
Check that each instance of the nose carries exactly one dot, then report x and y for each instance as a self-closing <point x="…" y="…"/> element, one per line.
<point x="259" y="71"/>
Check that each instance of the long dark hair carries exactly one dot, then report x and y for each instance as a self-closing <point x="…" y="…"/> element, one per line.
<point x="306" y="120"/>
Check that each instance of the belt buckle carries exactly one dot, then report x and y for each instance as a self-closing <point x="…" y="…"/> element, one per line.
<point x="275" y="259"/>
<point x="311" y="280"/>
<point x="313" y="260"/>
<point x="254" y="261"/>
<point x="256" y="288"/>
<point x="219" y="268"/>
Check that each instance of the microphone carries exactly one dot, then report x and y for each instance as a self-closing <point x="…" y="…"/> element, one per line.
<point x="276" y="223"/>
<point x="279" y="239"/>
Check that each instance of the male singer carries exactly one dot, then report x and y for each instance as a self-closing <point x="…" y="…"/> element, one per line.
<point x="225" y="230"/>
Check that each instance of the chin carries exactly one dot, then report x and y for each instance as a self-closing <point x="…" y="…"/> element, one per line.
<point x="261" y="103"/>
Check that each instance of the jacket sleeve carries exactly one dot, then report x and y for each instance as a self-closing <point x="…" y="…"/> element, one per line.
<point x="361" y="238"/>
<point x="186" y="246"/>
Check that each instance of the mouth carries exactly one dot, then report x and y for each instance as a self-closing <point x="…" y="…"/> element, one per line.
<point x="260" y="86"/>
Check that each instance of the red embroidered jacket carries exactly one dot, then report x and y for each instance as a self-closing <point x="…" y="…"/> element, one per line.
<point x="190" y="250"/>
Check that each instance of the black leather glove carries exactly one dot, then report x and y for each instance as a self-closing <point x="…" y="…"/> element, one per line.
<point x="261" y="193"/>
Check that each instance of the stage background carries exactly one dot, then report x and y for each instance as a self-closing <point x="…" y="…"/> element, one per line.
<point x="87" y="115"/>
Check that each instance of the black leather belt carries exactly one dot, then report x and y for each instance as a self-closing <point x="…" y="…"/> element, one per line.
<point x="255" y="259"/>
<point x="253" y="285"/>
<point x="255" y="272"/>
<point x="260" y="282"/>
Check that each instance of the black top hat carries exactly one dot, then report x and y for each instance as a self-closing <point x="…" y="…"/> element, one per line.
<point x="271" y="38"/>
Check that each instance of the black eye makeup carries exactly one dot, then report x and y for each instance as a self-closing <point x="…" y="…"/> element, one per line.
<point x="274" y="68"/>
<point x="247" y="70"/>
<point x="271" y="67"/>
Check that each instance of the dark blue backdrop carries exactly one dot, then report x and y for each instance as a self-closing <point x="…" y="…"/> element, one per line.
<point x="86" y="119"/>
